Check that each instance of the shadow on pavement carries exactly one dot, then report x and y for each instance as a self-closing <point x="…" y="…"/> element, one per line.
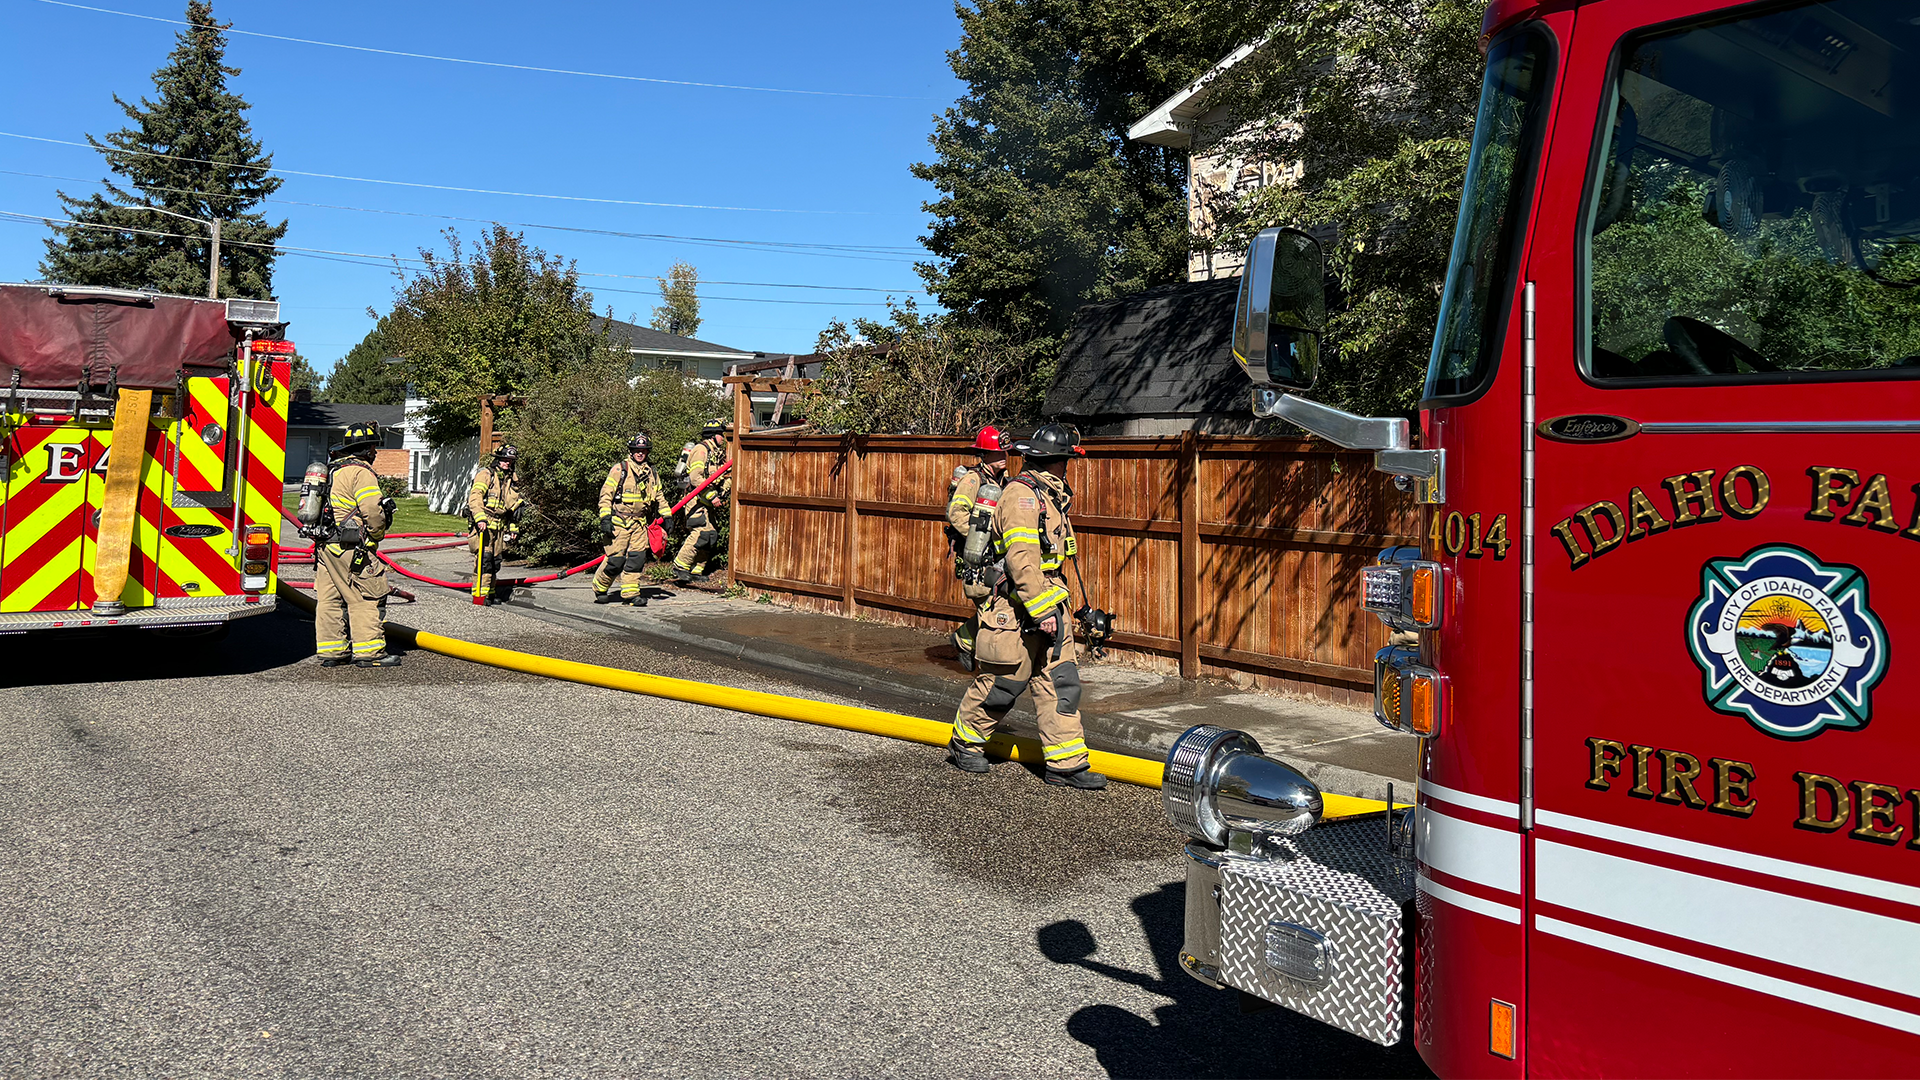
<point x="120" y="654"/>
<point x="1203" y="1031"/>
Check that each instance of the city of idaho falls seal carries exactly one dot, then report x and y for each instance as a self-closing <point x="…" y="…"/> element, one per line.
<point x="1787" y="641"/>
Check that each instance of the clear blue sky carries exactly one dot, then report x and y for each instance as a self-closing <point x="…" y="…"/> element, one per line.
<point x="326" y="110"/>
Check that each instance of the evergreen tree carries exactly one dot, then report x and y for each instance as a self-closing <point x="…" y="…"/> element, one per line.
<point x="678" y="312"/>
<point x="211" y="167"/>
<point x="363" y="376"/>
<point x="1045" y="203"/>
<point x="303" y="376"/>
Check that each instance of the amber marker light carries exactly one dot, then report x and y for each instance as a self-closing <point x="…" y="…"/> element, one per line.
<point x="1500" y="1033"/>
<point x="1423" y="600"/>
<point x="1423" y="704"/>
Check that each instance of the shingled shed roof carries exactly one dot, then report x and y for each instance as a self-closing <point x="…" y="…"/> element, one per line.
<point x="1164" y="352"/>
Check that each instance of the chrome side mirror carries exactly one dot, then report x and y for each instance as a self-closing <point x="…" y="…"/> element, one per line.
<point x="1282" y="310"/>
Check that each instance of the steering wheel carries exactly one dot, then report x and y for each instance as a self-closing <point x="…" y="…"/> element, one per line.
<point x="1707" y="350"/>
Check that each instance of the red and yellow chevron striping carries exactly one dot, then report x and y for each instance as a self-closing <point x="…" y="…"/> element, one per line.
<point x="185" y="538"/>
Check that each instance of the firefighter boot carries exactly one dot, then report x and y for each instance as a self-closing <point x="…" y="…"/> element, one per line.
<point x="607" y="596"/>
<point x="967" y="758"/>
<point x="1082" y="778"/>
<point x="963" y="645"/>
<point x="334" y="661"/>
<point x="681" y="574"/>
<point x="639" y="599"/>
<point x="387" y="660"/>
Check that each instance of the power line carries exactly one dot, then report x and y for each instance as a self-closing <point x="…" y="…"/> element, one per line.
<point x="356" y="258"/>
<point x="485" y="63"/>
<point x="416" y="184"/>
<point x="784" y="247"/>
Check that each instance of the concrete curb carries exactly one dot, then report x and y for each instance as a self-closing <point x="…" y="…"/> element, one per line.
<point x="1118" y="735"/>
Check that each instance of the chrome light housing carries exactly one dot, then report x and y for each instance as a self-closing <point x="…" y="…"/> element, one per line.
<point x="1218" y="783"/>
<point x="1405" y="591"/>
<point x="1407" y="695"/>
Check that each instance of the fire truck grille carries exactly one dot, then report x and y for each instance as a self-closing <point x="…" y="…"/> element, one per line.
<point x="1339" y="882"/>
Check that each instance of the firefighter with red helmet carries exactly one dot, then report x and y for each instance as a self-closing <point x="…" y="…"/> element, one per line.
<point x="632" y="501"/>
<point x="493" y="518"/>
<point x="963" y="496"/>
<point x="349" y="580"/>
<point x="1025" y="641"/>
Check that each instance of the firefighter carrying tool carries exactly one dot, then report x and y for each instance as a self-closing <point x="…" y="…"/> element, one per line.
<point x="349" y="583"/>
<point x="697" y="463"/>
<point x="632" y="501"/>
<point x="972" y="496"/>
<point x="493" y="518"/>
<point x="1026" y="636"/>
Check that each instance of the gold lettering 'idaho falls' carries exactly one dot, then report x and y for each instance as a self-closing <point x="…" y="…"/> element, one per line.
<point x="1700" y="497"/>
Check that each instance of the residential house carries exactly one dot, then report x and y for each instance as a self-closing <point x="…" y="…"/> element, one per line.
<point x="651" y="348"/>
<point x="316" y="427"/>
<point x="1217" y="172"/>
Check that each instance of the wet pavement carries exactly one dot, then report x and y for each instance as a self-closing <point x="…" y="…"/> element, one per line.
<point x="223" y="860"/>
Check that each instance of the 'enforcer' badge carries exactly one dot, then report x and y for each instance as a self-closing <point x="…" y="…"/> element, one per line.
<point x="1787" y="641"/>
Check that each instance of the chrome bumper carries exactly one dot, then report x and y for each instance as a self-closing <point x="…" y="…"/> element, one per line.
<point x="1320" y="924"/>
<point x="183" y="611"/>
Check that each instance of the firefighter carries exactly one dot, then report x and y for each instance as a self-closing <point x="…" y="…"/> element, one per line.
<point x="349" y="580"/>
<point x="1025" y="640"/>
<point x="493" y="518"/>
<point x="631" y="500"/>
<point x="700" y="461"/>
<point x="961" y="495"/>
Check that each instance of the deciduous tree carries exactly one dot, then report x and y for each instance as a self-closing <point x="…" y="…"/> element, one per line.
<point x="364" y="377"/>
<point x="678" y="312"/>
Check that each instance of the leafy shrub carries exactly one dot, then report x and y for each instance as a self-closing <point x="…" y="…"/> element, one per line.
<point x="393" y="487"/>
<point x="570" y="430"/>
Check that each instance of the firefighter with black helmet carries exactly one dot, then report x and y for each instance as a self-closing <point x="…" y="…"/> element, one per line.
<point x="698" y="462"/>
<point x="632" y="501"/>
<point x="349" y="580"/>
<point x="968" y="512"/>
<point x="493" y="518"/>
<point x="1025" y="641"/>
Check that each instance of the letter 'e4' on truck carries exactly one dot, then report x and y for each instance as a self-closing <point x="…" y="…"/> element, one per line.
<point x="1660" y="644"/>
<point x="143" y="442"/>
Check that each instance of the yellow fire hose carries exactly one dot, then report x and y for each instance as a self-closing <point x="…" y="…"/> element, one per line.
<point x="1131" y="770"/>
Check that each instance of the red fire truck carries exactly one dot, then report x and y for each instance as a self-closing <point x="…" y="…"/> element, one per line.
<point x="1668" y="810"/>
<point x="177" y="535"/>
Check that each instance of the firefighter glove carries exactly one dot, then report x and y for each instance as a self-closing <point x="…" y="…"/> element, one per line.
<point x="606" y="527"/>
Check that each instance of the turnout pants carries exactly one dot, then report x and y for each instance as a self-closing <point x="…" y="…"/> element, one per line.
<point x="486" y="546"/>
<point x="697" y="548"/>
<point x="348" y="617"/>
<point x="1012" y="662"/>
<point x="627" y="555"/>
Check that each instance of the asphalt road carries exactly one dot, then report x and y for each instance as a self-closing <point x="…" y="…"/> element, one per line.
<point x="223" y="860"/>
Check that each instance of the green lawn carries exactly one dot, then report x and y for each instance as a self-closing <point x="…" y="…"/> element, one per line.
<point x="412" y="515"/>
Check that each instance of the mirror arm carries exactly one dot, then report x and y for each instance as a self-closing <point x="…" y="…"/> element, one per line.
<point x="1389" y="437"/>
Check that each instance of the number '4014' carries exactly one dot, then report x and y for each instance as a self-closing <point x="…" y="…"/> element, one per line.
<point x="1462" y="534"/>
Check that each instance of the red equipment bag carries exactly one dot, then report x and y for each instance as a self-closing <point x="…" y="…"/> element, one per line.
<point x="656" y="538"/>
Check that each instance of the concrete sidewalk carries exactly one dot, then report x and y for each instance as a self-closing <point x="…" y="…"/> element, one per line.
<point x="1125" y="710"/>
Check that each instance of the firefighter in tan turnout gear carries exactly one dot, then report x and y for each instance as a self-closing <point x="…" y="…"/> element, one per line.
<point x="964" y="502"/>
<point x="493" y="519"/>
<point x="349" y="581"/>
<point x="1026" y="634"/>
<point x="632" y="500"/>
<point x="700" y="461"/>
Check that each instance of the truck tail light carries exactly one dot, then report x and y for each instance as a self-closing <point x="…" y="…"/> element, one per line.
<point x="1407" y="696"/>
<point x="1405" y="592"/>
<point x="256" y="556"/>
<point x="263" y="347"/>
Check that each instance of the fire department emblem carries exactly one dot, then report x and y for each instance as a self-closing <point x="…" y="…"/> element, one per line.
<point x="1787" y="641"/>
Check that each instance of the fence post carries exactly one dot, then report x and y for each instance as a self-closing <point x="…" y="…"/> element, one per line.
<point x="1189" y="487"/>
<point x="849" y="558"/>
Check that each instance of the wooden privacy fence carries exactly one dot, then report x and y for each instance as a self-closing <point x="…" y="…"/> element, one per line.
<point x="1220" y="554"/>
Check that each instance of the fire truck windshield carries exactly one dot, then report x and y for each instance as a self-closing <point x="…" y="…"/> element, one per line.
<point x="1757" y="200"/>
<point x="1486" y="242"/>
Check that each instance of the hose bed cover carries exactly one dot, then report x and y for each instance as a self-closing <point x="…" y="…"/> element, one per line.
<point x="54" y="341"/>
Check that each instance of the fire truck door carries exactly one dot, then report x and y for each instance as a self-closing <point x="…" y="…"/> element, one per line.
<point x="1724" y="852"/>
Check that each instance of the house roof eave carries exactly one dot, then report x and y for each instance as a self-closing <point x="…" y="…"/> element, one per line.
<point x="1173" y="121"/>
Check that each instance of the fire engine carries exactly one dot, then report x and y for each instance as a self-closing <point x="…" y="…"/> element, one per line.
<point x="1655" y="646"/>
<point x="143" y="439"/>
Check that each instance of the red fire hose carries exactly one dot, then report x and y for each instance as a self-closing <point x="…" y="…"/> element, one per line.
<point x="510" y="582"/>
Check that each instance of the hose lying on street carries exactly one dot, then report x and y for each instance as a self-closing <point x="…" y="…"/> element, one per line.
<point x="1121" y="767"/>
